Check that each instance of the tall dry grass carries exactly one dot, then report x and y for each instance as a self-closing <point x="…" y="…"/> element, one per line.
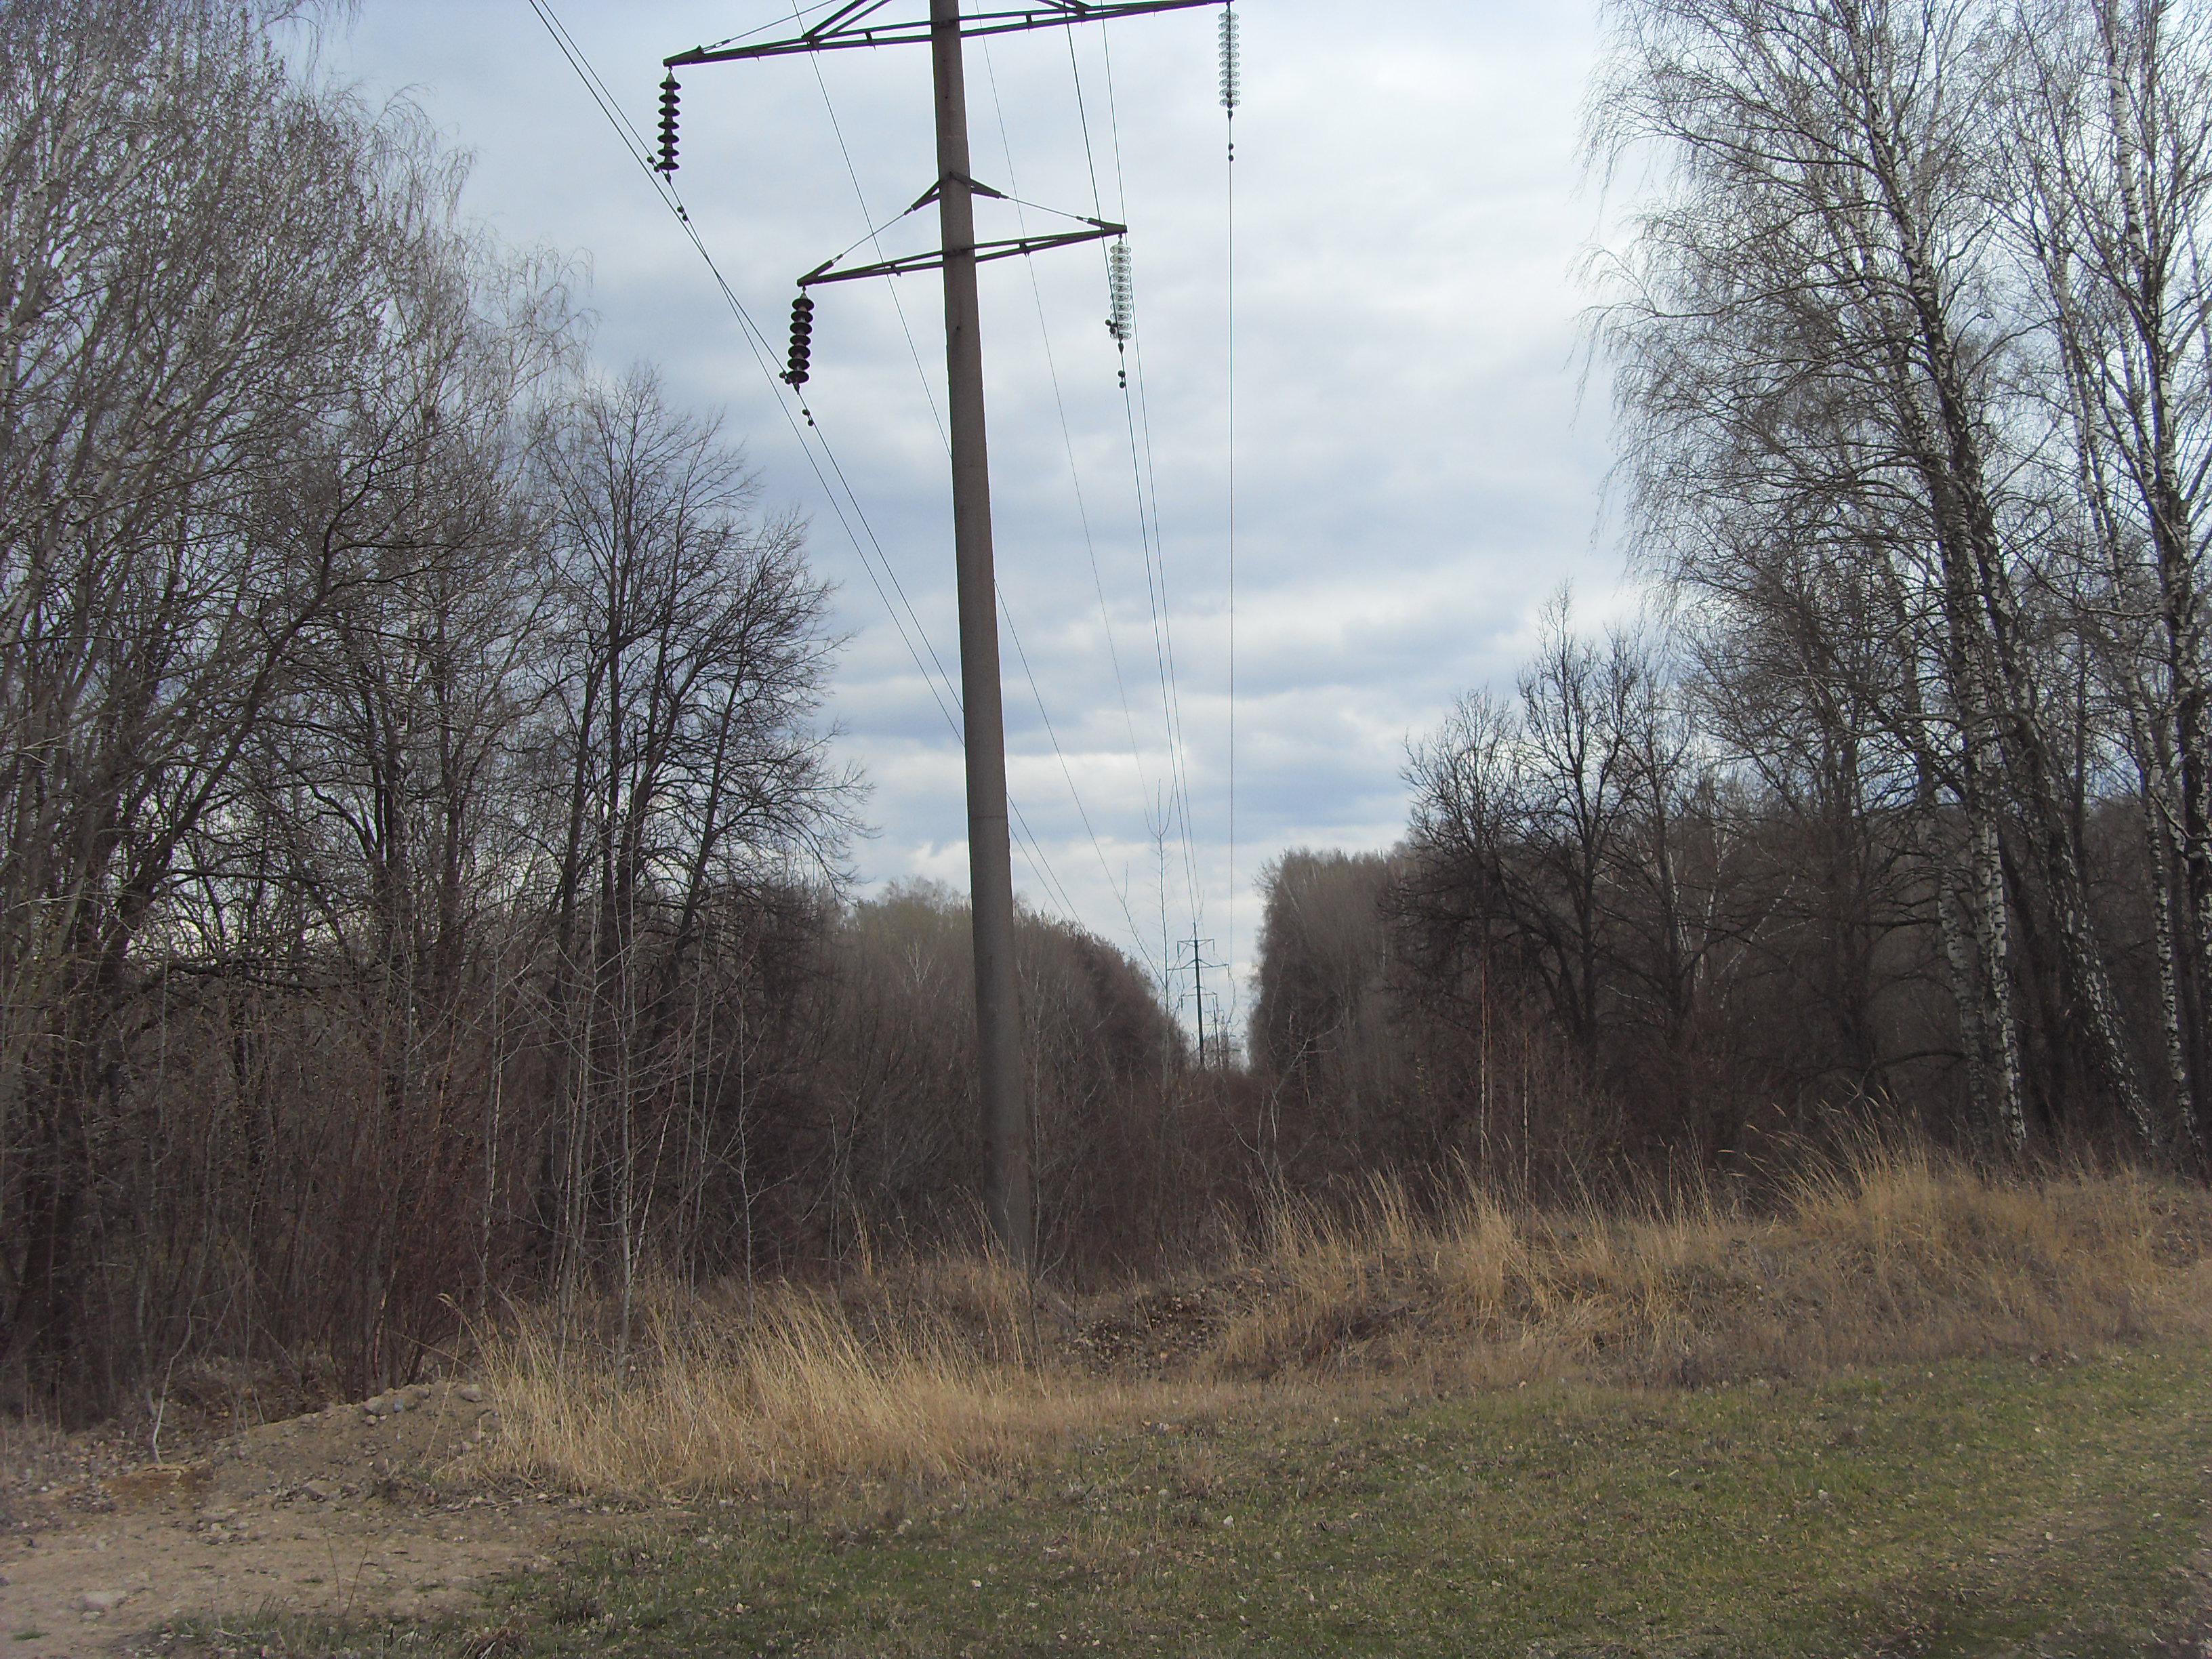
<point x="922" y="1369"/>
<point x="1893" y="1256"/>
<point x="939" y="1367"/>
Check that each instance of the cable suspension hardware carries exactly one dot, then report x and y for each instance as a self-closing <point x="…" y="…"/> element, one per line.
<point x="1120" y="298"/>
<point x="668" y="91"/>
<point x="1232" y="74"/>
<point x="851" y="23"/>
<point x="802" y="339"/>
<point x="802" y="308"/>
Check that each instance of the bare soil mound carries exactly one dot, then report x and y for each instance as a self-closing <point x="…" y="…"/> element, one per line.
<point x="353" y="1508"/>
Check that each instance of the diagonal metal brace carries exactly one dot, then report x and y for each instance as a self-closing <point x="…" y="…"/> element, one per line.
<point x="980" y="189"/>
<point x="1010" y="248"/>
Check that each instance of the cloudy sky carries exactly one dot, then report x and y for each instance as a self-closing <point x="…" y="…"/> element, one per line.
<point x="1420" y="447"/>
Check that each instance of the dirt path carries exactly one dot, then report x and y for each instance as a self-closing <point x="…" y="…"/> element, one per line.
<point x="329" y="1511"/>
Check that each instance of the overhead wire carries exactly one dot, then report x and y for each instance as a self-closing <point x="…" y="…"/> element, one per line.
<point x="1175" y="807"/>
<point x="1032" y="845"/>
<point x="853" y="173"/>
<point x="1089" y="543"/>
<point x="1138" y="421"/>
<point x="1118" y="890"/>
<point x="845" y="502"/>
<point x="1232" y="95"/>
<point x="633" y="145"/>
<point x="1098" y="207"/>
<point x="797" y="12"/>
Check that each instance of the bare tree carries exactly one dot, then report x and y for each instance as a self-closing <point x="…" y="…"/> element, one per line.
<point x="2110" y="122"/>
<point x="1821" y="333"/>
<point x="687" y="659"/>
<point x="198" y="254"/>
<point x="1322" y="1028"/>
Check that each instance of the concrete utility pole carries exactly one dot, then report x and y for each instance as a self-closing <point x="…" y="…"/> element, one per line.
<point x="1008" y="1137"/>
<point x="1009" y="1187"/>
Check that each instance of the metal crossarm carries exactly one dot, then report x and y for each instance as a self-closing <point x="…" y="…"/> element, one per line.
<point x="1011" y="247"/>
<point x="854" y="24"/>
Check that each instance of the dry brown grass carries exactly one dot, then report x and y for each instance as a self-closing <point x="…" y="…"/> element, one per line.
<point x="924" y="1370"/>
<point x="935" y="1368"/>
<point x="1894" y="1256"/>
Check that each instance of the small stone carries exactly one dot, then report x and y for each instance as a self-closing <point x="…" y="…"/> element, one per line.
<point x="470" y="1392"/>
<point x="102" y="1600"/>
<point x="377" y="1406"/>
<point x="321" y="1491"/>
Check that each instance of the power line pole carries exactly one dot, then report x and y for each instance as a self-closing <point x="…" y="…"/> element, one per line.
<point x="1199" y="996"/>
<point x="1009" y="1192"/>
<point x="1008" y="1135"/>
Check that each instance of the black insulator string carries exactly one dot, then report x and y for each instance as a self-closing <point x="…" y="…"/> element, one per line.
<point x="848" y="505"/>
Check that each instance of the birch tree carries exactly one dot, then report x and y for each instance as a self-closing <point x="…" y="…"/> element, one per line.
<point x="1820" y="332"/>
<point x="2109" y="121"/>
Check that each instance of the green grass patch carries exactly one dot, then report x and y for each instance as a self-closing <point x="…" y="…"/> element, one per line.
<point x="1983" y="1507"/>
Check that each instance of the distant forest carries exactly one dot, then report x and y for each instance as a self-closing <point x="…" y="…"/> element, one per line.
<point x="421" y="851"/>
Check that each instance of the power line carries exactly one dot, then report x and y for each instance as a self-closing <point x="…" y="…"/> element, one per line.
<point x="897" y="305"/>
<point x="634" y="144"/>
<point x="1007" y="1121"/>
<point x="1232" y="95"/>
<point x="1180" y="794"/>
<point x="1035" y="847"/>
<point x="1145" y="478"/>
<point x="1121" y="895"/>
<point x="1090" y="544"/>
